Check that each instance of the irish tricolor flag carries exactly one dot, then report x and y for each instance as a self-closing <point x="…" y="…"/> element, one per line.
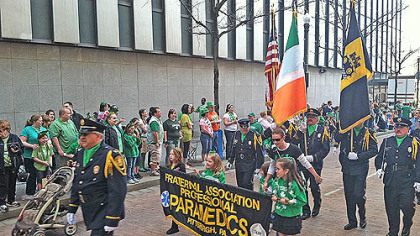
<point x="290" y="95"/>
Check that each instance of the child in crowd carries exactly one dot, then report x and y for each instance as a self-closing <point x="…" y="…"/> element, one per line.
<point x="289" y="195"/>
<point x="176" y="163"/>
<point x="214" y="169"/>
<point x="261" y="175"/>
<point x="42" y="158"/>
<point x="131" y="150"/>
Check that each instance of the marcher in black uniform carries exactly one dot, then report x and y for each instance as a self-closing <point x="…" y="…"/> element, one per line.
<point x="279" y="148"/>
<point x="398" y="159"/>
<point x="247" y="153"/>
<point x="315" y="149"/>
<point x="100" y="182"/>
<point x="355" y="167"/>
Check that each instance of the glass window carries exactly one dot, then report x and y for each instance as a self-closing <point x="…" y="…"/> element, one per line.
<point x="158" y="18"/>
<point x="186" y="24"/>
<point x="209" y="24"/>
<point x="126" y="24"/>
<point x="231" y="34"/>
<point x="249" y="30"/>
<point x="266" y="26"/>
<point x="87" y="22"/>
<point x="41" y="16"/>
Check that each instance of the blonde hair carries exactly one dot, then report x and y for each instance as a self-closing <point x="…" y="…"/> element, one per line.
<point x="218" y="165"/>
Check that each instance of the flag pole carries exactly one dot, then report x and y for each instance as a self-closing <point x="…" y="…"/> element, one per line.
<point x="351" y="141"/>
<point x="306" y="143"/>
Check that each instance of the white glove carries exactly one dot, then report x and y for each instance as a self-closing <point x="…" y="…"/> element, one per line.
<point x="302" y="127"/>
<point x="228" y="166"/>
<point x="109" y="228"/>
<point x="353" y="156"/>
<point x="71" y="219"/>
<point x="417" y="187"/>
<point x="380" y="173"/>
<point x="335" y="150"/>
<point x="310" y="158"/>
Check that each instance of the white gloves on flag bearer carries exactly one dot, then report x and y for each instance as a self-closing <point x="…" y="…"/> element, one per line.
<point x="310" y="158"/>
<point x="380" y="173"/>
<point x="71" y="219"/>
<point x="353" y="156"/>
<point x="302" y="127"/>
<point x="228" y="166"/>
<point x="109" y="228"/>
<point x="417" y="187"/>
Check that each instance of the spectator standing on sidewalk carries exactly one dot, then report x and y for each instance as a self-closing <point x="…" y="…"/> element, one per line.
<point x="51" y="114"/>
<point x="186" y="130"/>
<point x="144" y="147"/>
<point x="114" y="135"/>
<point x="74" y="116"/>
<point x="172" y="133"/>
<point x="29" y="137"/>
<point x="42" y="158"/>
<point x="131" y="147"/>
<point x="217" y="132"/>
<point x="155" y="137"/>
<point x="255" y="125"/>
<point x="63" y="134"/>
<point x="206" y="136"/>
<point x="230" y="120"/>
<point x="10" y="159"/>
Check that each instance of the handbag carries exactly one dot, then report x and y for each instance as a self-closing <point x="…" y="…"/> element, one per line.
<point x="22" y="176"/>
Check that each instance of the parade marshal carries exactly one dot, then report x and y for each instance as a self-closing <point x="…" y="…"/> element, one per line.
<point x="100" y="183"/>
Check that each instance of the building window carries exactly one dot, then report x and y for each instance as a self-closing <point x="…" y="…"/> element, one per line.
<point x="87" y="22"/>
<point x="186" y="26"/>
<point x="158" y="18"/>
<point x="250" y="30"/>
<point x="266" y="26"/>
<point x="209" y="24"/>
<point x="126" y="23"/>
<point x="41" y="15"/>
<point x="232" y="33"/>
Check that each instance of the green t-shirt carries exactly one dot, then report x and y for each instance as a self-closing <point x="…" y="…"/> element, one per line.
<point x="269" y="184"/>
<point x="406" y="111"/>
<point x="88" y="153"/>
<point x="399" y="140"/>
<point x="7" y="161"/>
<point x="32" y="134"/>
<point x="291" y="191"/>
<point x="43" y="153"/>
<point x="186" y="132"/>
<point x="131" y="145"/>
<point x="208" y="174"/>
<point x="172" y="129"/>
<point x="311" y="129"/>
<point x="257" y="127"/>
<point x="73" y="148"/>
<point x="154" y="126"/>
<point x="66" y="133"/>
<point x="120" y="138"/>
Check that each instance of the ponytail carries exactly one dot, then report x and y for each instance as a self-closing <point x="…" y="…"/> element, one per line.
<point x="32" y="120"/>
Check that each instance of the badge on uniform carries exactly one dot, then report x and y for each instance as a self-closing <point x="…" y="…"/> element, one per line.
<point x="409" y="149"/>
<point x="235" y="141"/>
<point x="96" y="169"/>
<point x="249" y="143"/>
<point x="319" y="135"/>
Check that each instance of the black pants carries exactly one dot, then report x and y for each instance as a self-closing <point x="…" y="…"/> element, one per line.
<point x="186" y="149"/>
<point x="315" y="190"/>
<point x="354" y="192"/>
<point x="7" y="185"/>
<point x="100" y="232"/>
<point x="399" y="196"/>
<point x="31" y="182"/>
<point x="244" y="179"/>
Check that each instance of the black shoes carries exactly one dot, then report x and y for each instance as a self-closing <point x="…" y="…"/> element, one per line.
<point x="306" y="215"/>
<point x="363" y="224"/>
<point x="350" y="226"/>
<point x="172" y="231"/>
<point x="405" y="232"/>
<point x="315" y="211"/>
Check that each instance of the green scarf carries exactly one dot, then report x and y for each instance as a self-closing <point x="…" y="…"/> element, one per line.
<point x="357" y="130"/>
<point x="399" y="140"/>
<point x="88" y="153"/>
<point x="311" y="129"/>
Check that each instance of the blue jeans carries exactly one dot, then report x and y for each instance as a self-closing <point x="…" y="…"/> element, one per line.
<point x="206" y="143"/>
<point x="218" y="142"/>
<point x="131" y="164"/>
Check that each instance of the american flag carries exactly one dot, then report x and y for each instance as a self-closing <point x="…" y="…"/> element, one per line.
<point x="272" y="65"/>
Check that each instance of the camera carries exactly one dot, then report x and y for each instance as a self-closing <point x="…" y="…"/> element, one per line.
<point x="14" y="146"/>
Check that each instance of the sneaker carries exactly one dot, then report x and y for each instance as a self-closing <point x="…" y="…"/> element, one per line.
<point x="131" y="181"/>
<point x="4" y="208"/>
<point x="154" y="173"/>
<point x="136" y="180"/>
<point x="13" y="204"/>
<point x="28" y="197"/>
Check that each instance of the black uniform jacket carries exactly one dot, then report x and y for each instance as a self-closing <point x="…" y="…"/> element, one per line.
<point x="403" y="160"/>
<point x="100" y="187"/>
<point x="247" y="154"/>
<point x="318" y="144"/>
<point x="365" y="145"/>
<point x="16" y="158"/>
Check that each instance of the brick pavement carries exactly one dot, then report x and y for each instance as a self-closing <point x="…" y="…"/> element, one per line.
<point x="144" y="214"/>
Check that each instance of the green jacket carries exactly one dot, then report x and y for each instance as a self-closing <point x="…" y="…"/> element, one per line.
<point x="292" y="192"/>
<point x="131" y="146"/>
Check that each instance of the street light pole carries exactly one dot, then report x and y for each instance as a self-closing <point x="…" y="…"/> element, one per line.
<point x="306" y="20"/>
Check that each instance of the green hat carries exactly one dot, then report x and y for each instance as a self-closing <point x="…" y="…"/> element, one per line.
<point x="251" y="114"/>
<point x="203" y="111"/>
<point x="113" y="108"/>
<point x="210" y="104"/>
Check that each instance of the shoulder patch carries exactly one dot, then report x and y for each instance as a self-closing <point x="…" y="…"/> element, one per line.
<point x="116" y="162"/>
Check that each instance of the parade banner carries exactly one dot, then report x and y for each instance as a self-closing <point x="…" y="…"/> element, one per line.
<point x="357" y="71"/>
<point x="206" y="207"/>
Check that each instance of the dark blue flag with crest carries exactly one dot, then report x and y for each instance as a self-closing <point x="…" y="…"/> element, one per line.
<point x="357" y="71"/>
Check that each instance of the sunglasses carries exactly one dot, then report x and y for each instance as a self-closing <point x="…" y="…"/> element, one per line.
<point x="276" y="139"/>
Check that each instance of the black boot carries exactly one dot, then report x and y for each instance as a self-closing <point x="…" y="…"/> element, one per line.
<point x="350" y="226"/>
<point x="306" y="215"/>
<point x="316" y="209"/>
<point x="405" y="232"/>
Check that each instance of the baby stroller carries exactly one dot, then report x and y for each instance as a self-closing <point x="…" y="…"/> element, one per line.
<point x="46" y="211"/>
